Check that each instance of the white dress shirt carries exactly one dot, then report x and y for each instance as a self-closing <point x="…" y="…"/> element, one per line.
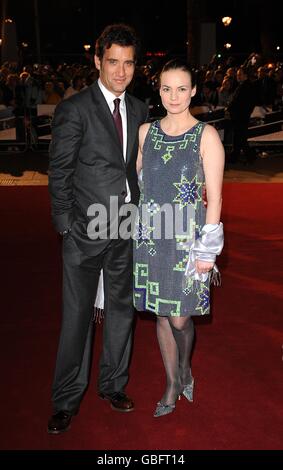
<point x="110" y="97"/>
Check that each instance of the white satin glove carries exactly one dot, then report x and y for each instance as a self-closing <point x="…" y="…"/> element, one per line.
<point x="205" y="248"/>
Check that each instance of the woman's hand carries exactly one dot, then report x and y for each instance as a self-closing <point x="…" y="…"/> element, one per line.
<point x="203" y="267"/>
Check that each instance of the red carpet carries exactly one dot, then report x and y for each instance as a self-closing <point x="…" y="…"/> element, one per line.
<point x="237" y="362"/>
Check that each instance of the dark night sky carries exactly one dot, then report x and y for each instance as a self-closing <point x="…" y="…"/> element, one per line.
<point x="66" y="25"/>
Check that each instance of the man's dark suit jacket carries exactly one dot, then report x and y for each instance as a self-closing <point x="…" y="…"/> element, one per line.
<point x="243" y="102"/>
<point x="87" y="164"/>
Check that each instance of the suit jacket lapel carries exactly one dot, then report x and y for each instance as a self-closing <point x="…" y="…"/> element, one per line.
<point x="131" y="127"/>
<point x="103" y="111"/>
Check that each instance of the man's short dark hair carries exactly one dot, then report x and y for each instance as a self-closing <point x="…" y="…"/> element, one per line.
<point x="121" y="34"/>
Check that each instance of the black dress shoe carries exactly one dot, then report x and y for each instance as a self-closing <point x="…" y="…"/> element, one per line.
<point x="119" y="401"/>
<point x="59" y="422"/>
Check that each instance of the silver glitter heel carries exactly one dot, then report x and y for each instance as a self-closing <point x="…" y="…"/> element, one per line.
<point x="188" y="391"/>
<point x="162" y="410"/>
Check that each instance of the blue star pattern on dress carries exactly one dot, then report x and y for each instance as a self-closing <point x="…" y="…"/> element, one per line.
<point x="143" y="234"/>
<point x="188" y="192"/>
<point x="152" y="207"/>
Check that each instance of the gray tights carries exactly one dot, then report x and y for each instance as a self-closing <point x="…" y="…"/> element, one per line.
<point x="175" y="337"/>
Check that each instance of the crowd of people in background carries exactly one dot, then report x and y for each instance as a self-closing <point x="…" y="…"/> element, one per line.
<point x="216" y="82"/>
<point x="220" y="84"/>
<point x="42" y="84"/>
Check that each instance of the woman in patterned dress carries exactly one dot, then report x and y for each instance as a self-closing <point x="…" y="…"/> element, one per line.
<point x="178" y="156"/>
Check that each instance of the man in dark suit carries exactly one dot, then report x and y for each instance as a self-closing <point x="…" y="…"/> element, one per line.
<point x="92" y="158"/>
<point x="240" y="109"/>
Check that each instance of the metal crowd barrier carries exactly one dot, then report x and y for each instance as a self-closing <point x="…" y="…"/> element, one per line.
<point x="29" y="130"/>
<point x="40" y="127"/>
<point x="13" y="135"/>
<point x="265" y="128"/>
<point x="32" y="130"/>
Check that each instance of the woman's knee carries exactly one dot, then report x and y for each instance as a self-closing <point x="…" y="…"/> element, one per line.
<point x="180" y="323"/>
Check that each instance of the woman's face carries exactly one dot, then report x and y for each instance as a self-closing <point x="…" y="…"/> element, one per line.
<point x="176" y="90"/>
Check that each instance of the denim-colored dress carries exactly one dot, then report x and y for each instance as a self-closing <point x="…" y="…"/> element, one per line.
<point x="170" y="217"/>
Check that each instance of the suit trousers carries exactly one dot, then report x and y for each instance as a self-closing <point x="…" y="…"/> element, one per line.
<point x="80" y="280"/>
<point x="240" y="138"/>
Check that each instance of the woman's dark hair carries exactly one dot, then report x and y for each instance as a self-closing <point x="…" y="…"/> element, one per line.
<point x="178" y="64"/>
<point x="121" y="34"/>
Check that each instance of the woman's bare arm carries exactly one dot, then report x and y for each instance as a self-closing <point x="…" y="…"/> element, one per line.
<point x="143" y="130"/>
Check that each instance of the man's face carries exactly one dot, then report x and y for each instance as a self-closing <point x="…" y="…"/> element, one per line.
<point x="116" y="68"/>
<point x="241" y="76"/>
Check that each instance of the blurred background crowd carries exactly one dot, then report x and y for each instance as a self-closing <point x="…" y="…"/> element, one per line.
<point x="217" y="84"/>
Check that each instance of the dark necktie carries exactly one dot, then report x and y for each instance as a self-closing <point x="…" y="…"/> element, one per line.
<point x="117" y="119"/>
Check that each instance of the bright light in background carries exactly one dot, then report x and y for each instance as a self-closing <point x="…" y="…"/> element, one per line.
<point x="278" y="48"/>
<point x="226" y="20"/>
<point x="8" y="20"/>
<point x="87" y="47"/>
<point x="24" y="44"/>
<point x="0" y="41"/>
<point x="155" y="54"/>
<point x="227" y="45"/>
